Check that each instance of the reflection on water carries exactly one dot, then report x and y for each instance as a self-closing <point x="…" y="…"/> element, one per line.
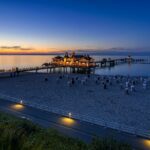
<point x="126" y="69"/>
<point x="12" y="61"/>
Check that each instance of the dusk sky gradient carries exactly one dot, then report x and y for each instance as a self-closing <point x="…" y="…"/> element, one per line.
<point x="52" y="25"/>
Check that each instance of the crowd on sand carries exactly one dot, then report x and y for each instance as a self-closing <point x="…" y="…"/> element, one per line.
<point x="124" y="100"/>
<point x="126" y="83"/>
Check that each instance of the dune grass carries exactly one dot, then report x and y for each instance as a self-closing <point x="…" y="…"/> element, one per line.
<point x="19" y="134"/>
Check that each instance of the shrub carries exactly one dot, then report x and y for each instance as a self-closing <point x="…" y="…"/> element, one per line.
<point x="18" y="134"/>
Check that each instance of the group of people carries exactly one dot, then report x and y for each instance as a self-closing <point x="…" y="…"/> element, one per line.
<point x="126" y="83"/>
<point x="130" y="84"/>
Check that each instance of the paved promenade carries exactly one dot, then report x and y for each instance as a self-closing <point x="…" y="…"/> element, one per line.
<point x="86" y="98"/>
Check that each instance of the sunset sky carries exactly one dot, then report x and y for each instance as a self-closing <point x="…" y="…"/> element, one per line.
<point x="33" y="26"/>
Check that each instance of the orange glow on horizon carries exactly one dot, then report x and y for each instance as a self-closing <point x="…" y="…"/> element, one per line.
<point x="28" y="50"/>
<point x="39" y="50"/>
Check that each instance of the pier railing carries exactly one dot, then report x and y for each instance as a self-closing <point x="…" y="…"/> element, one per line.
<point x="101" y="63"/>
<point x="98" y="121"/>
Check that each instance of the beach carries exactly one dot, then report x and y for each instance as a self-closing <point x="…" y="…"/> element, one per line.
<point x="86" y="98"/>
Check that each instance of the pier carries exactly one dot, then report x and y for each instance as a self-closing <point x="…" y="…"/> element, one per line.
<point x="74" y="67"/>
<point x="112" y="62"/>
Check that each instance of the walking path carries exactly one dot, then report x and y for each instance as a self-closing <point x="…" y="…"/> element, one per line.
<point x="72" y="127"/>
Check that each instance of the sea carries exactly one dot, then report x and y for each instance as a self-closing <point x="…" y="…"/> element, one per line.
<point x="131" y="69"/>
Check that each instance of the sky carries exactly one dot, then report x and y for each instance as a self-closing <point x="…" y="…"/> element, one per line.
<point x="41" y="26"/>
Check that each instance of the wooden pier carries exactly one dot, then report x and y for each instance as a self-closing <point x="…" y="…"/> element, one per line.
<point x="112" y="62"/>
<point x="52" y="68"/>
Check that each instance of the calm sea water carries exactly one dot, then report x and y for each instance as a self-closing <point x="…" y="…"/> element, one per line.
<point x="12" y="61"/>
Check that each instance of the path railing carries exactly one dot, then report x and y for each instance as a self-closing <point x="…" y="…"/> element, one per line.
<point x="102" y="122"/>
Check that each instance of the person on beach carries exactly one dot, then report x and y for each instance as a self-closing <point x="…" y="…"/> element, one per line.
<point x="67" y="76"/>
<point x="127" y="91"/>
<point x="11" y="75"/>
<point x="117" y="81"/>
<point x="83" y="82"/>
<point x="69" y="83"/>
<point x="96" y="81"/>
<point x="133" y="82"/>
<point x="85" y="78"/>
<point x="144" y="85"/>
<point x="88" y="76"/>
<point x="57" y="80"/>
<point x="46" y="79"/>
<point x="107" y="81"/>
<point x="132" y="88"/>
<point x="105" y="86"/>
<point x="110" y="82"/>
<point x="121" y="86"/>
<point x="127" y="84"/>
<point x="60" y="77"/>
<point x="77" y="78"/>
<point x="72" y="81"/>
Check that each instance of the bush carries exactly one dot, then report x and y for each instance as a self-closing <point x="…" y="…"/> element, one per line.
<point x="18" y="134"/>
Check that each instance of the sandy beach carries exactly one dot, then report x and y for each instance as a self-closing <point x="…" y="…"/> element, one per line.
<point x="86" y="98"/>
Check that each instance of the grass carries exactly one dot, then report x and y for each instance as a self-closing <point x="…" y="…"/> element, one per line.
<point x="19" y="134"/>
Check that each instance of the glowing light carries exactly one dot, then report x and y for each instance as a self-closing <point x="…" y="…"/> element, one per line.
<point x="67" y="121"/>
<point x="146" y="143"/>
<point x="17" y="106"/>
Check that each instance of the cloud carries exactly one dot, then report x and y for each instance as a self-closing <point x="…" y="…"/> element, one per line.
<point x="15" y="48"/>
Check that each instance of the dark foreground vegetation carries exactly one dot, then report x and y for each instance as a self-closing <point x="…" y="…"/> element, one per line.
<point x="18" y="134"/>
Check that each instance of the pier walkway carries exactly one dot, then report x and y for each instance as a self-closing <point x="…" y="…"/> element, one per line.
<point x="52" y="67"/>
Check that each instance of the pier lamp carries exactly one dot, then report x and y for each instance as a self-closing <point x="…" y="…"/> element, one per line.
<point x="21" y="102"/>
<point x="70" y="114"/>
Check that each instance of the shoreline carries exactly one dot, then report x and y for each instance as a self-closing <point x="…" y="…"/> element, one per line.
<point x="107" y="107"/>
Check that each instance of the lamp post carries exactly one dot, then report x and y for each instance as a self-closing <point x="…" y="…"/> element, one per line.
<point x="70" y="114"/>
<point x="21" y="102"/>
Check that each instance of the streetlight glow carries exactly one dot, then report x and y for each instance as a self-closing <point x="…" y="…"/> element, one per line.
<point x="67" y="121"/>
<point x="17" y="106"/>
